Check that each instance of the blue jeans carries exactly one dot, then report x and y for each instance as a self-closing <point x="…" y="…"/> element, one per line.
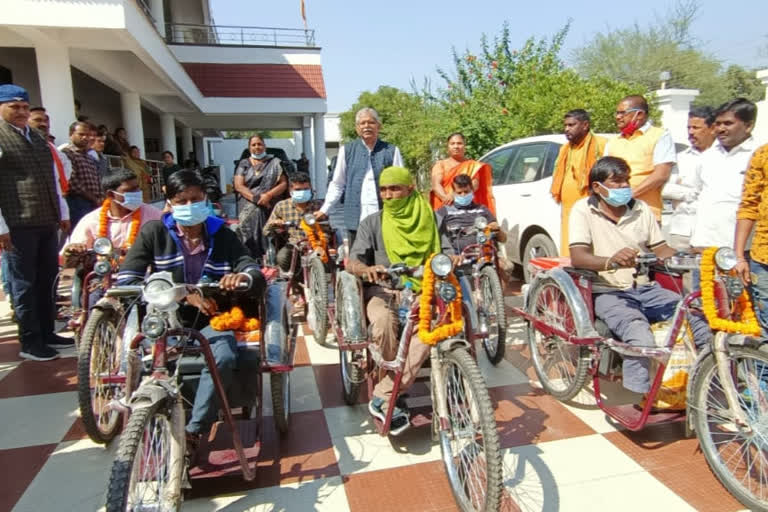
<point x="629" y="313"/>
<point x="758" y="291"/>
<point x="5" y="275"/>
<point x="466" y="298"/>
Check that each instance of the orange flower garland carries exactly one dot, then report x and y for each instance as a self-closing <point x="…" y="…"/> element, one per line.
<point x="104" y="223"/>
<point x="317" y="239"/>
<point x="445" y="331"/>
<point x="234" y="320"/>
<point x="748" y="325"/>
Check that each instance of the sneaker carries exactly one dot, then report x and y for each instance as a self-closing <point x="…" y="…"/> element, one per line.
<point x="39" y="353"/>
<point x="57" y="341"/>
<point x="400" y="418"/>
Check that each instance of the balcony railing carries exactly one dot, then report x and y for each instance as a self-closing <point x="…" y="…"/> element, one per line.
<point x="223" y="35"/>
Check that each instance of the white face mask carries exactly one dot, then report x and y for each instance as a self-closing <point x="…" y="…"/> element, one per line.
<point x="131" y="200"/>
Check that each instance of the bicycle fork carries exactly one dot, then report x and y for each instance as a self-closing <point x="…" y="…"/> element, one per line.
<point x="722" y="359"/>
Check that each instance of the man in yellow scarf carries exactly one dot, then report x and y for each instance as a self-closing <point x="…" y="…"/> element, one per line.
<point x="403" y="231"/>
<point x="576" y="158"/>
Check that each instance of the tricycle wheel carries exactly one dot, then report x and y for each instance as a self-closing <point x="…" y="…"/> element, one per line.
<point x="147" y="471"/>
<point x="99" y="357"/>
<point x="352" y="374"/>
<point x="737" y="455"/>
<point x="318" y="300"/>
<point x="280" y="386"/>
<point x="560" y="366"/>
<point x="470" y="449"/>
<point x="496" y="321"/>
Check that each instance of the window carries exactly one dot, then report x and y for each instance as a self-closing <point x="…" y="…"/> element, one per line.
<point x="528" y="163"/>
<point x="549" y="166"/>
<point x="499" y="161"/>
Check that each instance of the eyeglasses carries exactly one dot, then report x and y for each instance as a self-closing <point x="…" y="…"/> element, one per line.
<point x="628" y="111"/>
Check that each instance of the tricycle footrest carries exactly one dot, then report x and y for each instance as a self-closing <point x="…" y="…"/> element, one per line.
<point x="629" y="416"/>
<point x="216" y="455"/>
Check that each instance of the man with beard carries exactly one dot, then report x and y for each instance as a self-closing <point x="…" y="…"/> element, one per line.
<point x="682" y="188"/>
<point x="576" y="158"/>
<point x="721" y="172"/>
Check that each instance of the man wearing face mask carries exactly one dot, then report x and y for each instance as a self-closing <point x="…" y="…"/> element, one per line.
<point x="292" y="210"/>
<point x="648" y="150"/>
<point x="608" y="229"/>
<point x="119" y="218"/>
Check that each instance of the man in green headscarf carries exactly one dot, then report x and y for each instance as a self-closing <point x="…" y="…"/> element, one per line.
<point x="404" y="231"/>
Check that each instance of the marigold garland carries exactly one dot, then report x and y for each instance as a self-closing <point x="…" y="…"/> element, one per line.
<point x="748" y="325"/>
<point x="104" y="223"/>
<point x="444" y="331"/>
<point x="234" y="320"/>
<point x="317" y="239"/>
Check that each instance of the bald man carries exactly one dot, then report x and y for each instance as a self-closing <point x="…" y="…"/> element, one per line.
<point x="649" y="151"/>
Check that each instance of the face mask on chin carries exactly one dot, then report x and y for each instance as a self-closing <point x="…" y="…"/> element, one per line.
<point x="631" y="127"/>
<point x="259" y="156"/>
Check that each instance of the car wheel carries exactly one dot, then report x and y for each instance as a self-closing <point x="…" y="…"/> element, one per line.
<point x="538" y="246"/>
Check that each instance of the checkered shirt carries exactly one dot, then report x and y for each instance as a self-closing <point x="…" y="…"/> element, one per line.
<point x="85" y="173"/>
<point x="286" y="211"/>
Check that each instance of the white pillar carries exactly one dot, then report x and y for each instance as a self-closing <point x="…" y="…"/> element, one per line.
<point x="760" y="132"/>
<point x="187" y="145"/>
<point x="55" y="79"/>
<point x="306" y="138"/>
<point x="674" y="105"/>
<point x="134" y="129"/>
<point x="320" y="172"/>
<point x="156" y="8"/>
<point x="168" y="130"/>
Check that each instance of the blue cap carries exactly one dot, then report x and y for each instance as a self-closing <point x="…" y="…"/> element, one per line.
<point x="11" y="92"/>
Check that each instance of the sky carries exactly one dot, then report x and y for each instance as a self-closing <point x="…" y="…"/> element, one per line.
<point x="366" y="44"/>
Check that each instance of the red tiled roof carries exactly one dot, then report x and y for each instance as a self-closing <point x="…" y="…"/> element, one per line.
<point x="257" y="80"/>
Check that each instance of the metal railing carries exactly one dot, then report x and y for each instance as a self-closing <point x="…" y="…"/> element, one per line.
<point x="224" y="35"/>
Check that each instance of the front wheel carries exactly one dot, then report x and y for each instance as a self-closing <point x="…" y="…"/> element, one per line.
<point x="470" y="448"/>
<point x="280" y="387"/>
<point x="318" y="300"/>
<point x="147" y="472"/>
<point x="98" y="360"/>
<point x="495" y="321"/>
<point x="738" y="456"/>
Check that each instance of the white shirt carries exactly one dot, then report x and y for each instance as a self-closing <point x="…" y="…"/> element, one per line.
<point x="720" y="177"/>
<point x="664" y="150"/>
<point x="682" y="188"/>
<point x="369" y="193"/>
<point x="63" y="207"/>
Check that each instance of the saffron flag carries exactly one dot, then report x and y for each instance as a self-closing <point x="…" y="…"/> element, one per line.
<point x="304" y="14"/>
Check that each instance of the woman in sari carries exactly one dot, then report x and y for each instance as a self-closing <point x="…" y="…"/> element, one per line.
<point x="261" y="182"/>
<point x="445" y="170"/>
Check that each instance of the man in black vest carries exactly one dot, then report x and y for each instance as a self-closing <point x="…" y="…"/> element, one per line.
<point x="31" y="212"/>
<point x="355" y="180"/>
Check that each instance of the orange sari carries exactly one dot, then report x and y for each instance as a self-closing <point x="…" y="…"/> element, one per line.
<point x="472" y="168"/>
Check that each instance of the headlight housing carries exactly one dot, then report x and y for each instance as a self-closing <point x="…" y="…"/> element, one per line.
<point x="446" y="291"/>
<point x="441" y="265"/>
<point x="153" y="326"/>
<point x="725" y="259"/>
<point x="481" y="238"/>
<point x="102" y="246"/>
<point x="160" y="291"/>
<point x="102" y="267"/>
<point x="480" y="223"/>
<point x="309" y="219"/>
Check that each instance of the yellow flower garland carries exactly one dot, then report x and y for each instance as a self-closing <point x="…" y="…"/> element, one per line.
<point x="445" y="331"/>
<point x="748" y="325"/>
<point x="317" y="239"/>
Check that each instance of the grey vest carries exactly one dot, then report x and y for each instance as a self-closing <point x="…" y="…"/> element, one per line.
<point x="356" y="157"/>
<point x="28" y="195"/>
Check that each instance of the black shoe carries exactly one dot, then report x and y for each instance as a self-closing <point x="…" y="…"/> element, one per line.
<point x="57" y="341"/>
<point x="39" y="353"/>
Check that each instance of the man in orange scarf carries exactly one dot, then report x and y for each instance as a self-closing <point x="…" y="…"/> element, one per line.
<point x="576" y="158"/>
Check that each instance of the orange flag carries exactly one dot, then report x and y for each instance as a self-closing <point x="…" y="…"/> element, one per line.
<point x="304" y="14"/>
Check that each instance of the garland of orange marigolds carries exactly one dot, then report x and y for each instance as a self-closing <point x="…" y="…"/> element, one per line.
<point x="317" y="239"/>
<point x="104" y="223"/>
<point x="748" y="325"/>
<point x="234" y="320"/>
<point x="445" y="331"/>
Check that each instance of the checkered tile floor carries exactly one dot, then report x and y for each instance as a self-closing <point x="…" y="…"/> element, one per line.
<point x="556" y="457"/>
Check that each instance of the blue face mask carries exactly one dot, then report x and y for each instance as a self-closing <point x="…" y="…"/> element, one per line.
<point x="131" y="200"/>
<point x="191" y="214"/>
<point x="259" y="156"/>
<point x="617" y="196"/>
<point x="463" y="200"/>
<point x="301" y="196"/>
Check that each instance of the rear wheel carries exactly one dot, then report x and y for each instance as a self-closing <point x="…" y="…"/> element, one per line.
<point x="470" y="449"/>
<point x="538" y="246"/>
<point x="147" y="472"/>
<point x="280" y="386"/>
<point x="560" y="366"/>
<point x="738" y="456"/>
<point x="98" y="361"/>
<point x="318" y="300"/>
<point x="496" y="319"/>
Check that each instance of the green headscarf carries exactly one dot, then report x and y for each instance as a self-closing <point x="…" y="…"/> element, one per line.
<point x="408" y="224"/>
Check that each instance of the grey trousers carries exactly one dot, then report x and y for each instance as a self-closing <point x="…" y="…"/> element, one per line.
<point x="629" y="313"/>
